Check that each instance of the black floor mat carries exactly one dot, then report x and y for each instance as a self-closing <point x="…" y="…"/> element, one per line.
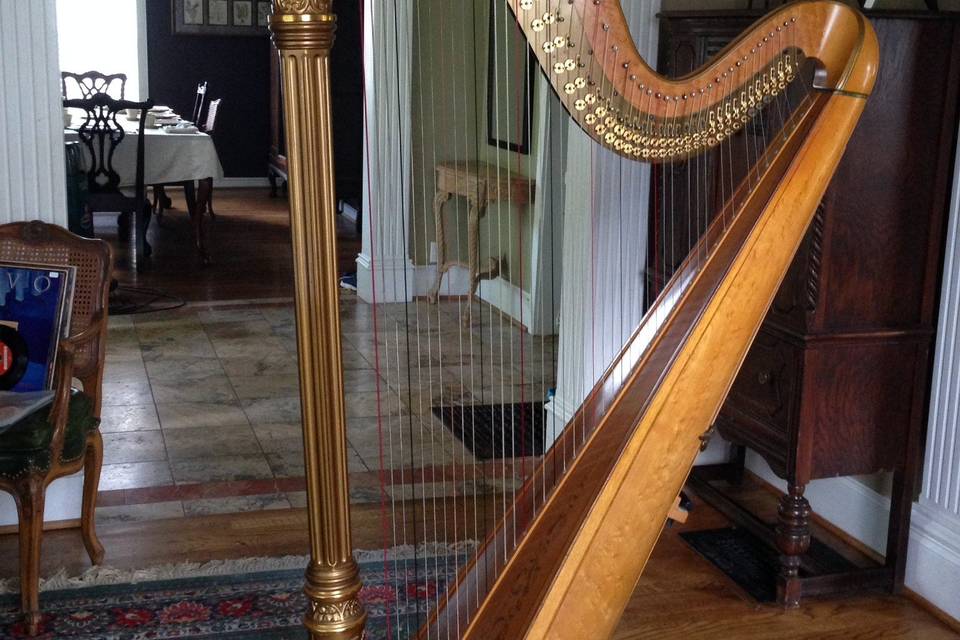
<point x="754" y="566"/>
<point x="495" y="431"/>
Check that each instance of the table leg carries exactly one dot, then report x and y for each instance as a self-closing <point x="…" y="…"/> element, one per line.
<point x="208" y="183"/>
<point x="793" y="540"/>
<point x="442" y="266"/>
<point x="195" y="207"/>
<point x="142" y="249"/>
<point x="477" y="209"/>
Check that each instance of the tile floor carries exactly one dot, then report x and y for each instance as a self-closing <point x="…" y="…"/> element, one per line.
<point x="201" y="410"/>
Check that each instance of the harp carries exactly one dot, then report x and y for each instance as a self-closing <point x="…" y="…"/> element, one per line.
<point x="739" y="155"/>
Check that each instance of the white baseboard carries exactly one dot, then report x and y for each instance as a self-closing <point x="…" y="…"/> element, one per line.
<point x="933" y="557"/>
<point x="350" y="212"/>
<point x="395" y="279"/>
<point x="241" y="183"/>
<point x="63" y="500"/>
<point x="456" y="281"/>
<point x="509" y="298"/>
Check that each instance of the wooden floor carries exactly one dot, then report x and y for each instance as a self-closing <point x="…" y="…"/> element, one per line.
<point x="248" y="243"/>
<point x="680" y="596"/>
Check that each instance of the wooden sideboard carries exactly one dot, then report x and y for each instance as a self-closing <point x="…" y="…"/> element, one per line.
<point x="837" y="381"/>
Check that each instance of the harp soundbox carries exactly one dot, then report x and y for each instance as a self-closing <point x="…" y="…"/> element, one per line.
<point x="552" y="540"/>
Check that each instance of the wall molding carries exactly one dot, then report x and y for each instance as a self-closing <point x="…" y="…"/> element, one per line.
<point x="508" y="298"/>
<point x="241" y="182"/>
<point x="32" y="160"/>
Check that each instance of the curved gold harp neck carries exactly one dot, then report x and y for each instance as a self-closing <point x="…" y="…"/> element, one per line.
<point x="586" y="49"/>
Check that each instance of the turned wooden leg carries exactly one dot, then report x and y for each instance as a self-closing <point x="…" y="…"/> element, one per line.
<point x="208" y="185"/>
<point x="477" y="209"/>
<point x="30" y="508"/>
<point x="438" y="201"/>
<point x="793" y="540"/>
<point x="738" y="465"/>
<point x="143" y="250"/>
<point x="161" y="201"/>
<point x="92" y="462"/>
<point x="195" y="207"/>
<point x="272" y="179"/>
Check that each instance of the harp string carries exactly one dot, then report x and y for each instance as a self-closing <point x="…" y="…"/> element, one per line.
<point x="373" y="219"/>
<point x="438" y="491"/>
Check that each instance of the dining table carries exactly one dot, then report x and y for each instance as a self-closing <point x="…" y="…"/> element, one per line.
<point x="172" y="156"/>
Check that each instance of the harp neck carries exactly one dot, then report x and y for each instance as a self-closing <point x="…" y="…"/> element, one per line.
<point x="586" y="50"/>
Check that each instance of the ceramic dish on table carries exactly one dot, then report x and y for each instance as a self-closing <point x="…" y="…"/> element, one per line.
<point x="181" y="129"/>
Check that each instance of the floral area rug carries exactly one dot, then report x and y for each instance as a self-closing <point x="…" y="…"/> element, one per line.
<point x="265" y="605"/>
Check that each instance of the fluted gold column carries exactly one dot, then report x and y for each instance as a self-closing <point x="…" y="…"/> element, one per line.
<point x="303" y="31"/>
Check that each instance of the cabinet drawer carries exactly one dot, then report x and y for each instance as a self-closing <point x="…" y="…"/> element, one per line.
<point x="764" y="394"/>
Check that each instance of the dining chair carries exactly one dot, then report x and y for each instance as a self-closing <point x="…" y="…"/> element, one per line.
<point x="199" y="195"/>
<point x="205" y="195"/>
<point x="198" y="102"/>
<point x="63" y="439"/>
<point x="161" y="201"/>
<point x="101" y="133"/>
<point x="91" y="83"/>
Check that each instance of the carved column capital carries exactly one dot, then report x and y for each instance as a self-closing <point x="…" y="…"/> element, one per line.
<point x="303" y="25"/>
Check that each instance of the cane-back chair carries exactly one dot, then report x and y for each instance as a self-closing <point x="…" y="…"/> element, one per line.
<point x="59" y="441"/>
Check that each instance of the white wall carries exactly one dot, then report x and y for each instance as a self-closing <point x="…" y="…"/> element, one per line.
<point x="605" y="213"/>
<point x="933" y="568"/>
<point x="32" y="172"/>
<point x="384" y="268"/>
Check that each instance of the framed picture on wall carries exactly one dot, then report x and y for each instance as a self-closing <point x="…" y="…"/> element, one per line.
<point x="511" y="69"/>
<point x="242" y="13"/>
<point x="218" y="13"/>
<point x="263" y="13"/>
<point x="220" y="17"/>
<point x="193" y="11"/>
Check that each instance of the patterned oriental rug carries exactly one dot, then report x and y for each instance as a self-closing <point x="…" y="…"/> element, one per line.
<point x="208" y="601"/>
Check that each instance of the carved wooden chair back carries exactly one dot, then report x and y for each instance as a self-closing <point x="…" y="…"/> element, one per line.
<point x="90" y="83"/>
<point x="101" y="134"/>
<point x="198" y="102"/>
<point x="212" y="110"/>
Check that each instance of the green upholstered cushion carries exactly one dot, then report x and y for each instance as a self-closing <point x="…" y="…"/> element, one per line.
<point x="26" y="446"/>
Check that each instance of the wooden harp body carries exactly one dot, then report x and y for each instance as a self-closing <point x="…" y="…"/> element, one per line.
<point x="566" y="555"/>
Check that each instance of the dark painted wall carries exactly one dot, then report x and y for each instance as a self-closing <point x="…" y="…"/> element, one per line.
<point x="236" y="69"/>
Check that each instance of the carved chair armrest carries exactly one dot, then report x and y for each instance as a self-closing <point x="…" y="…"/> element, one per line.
<point x="60" y="411"/>
<point x="91" y="332"/>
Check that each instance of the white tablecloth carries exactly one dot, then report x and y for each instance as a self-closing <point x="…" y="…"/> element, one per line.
<point x="167" y="157"/>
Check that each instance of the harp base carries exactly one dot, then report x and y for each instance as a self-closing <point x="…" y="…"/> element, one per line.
<point x="335" y="612"/>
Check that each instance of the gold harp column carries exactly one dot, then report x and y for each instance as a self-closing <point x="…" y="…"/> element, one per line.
<point x="303" y="31"/>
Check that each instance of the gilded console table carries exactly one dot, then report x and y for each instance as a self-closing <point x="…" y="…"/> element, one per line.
<point x="480" y="184"/>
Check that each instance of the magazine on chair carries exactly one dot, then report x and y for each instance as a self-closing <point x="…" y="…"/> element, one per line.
<point x="35" y="304"/>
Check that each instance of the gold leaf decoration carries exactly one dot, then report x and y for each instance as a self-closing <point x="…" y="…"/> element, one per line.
<point x="302" y="6"/>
